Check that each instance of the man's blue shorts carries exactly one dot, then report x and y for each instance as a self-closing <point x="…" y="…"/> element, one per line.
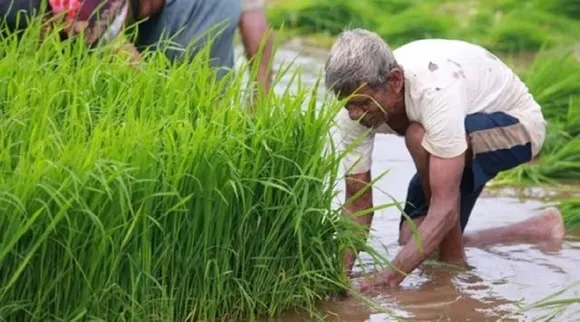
<point x="498" y="142"/>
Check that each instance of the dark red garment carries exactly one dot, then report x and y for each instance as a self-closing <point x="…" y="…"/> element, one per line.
<point x="104" y="18"/>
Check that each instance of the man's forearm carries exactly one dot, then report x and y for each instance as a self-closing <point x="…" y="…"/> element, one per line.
<point x="255" y="31"/>
<point x="442" y="216"/>
<point x="363" y="202"/>
<point x="436" y="226"/>
<point x="433" y="229"/>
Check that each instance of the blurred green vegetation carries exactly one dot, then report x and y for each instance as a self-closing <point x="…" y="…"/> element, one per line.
<point x="499" y="25"/>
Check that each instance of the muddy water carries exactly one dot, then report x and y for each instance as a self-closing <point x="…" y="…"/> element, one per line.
<point x="502" y="279"/>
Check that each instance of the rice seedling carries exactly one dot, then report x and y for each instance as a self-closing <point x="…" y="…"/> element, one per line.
<point x="416" y="23"/>
<point x="553" y="79"/>
<point x="570" y="209"/>
<point x="551" y="306"/>
<point x="150" y="193"/>
<point x="568" y="8"/>
<point x="325" y="16"/>
<point x="530" y="29"/>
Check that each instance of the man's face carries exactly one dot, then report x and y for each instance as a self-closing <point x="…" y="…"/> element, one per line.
<point x="368" y="106"/>
<point x="373" y="107"/>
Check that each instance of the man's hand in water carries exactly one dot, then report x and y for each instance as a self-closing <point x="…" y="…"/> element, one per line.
<point x="439" y="229"/>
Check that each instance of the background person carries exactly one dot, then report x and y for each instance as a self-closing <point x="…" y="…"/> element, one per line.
<point x="184" y="22"/>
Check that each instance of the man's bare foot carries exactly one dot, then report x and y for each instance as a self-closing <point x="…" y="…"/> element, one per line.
<point x="545" y="228"/>
<point x="552" y="222"/>
<point x="550" y="225"/>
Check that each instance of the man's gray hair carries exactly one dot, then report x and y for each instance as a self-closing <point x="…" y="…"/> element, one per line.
<point x="357" y="57"/>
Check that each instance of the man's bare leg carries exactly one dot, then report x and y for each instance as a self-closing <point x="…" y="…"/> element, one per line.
<point x="545" y="227"/>
<point x="451" y="247"/>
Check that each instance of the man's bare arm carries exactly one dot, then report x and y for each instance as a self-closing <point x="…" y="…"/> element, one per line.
<point x="254" y="30"/>
<point x="421" y="159"/>
<point x="354" y="184"/>
<point x="445" y="178"/>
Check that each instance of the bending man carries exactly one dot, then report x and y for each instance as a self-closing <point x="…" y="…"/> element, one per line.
<point x="465" y="117"/>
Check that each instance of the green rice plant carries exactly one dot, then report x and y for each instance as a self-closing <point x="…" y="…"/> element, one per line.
<point x="528" y="29"/>
<point x="558" y="161"/>
<point x="517" y="35"/>
<point x="503" y="5"/>
<point x="476" y="27"/>
<point x="567" y="8"/>
<point x="416" y="23"/>
<point x="501" y="25"/>
<point x="553" y="80"/>
<point x="563" y="164"/>
<point x="387" y="7"/>
<point x="570" y="209"/>
<point x="551" y="305"/>
<point x="523" y="27"/>
<point x="150" y="193"/>
<point x="572" y="122"/>
<point x="325" y="16"/>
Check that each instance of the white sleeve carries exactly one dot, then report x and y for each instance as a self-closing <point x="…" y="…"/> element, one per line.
<point x="248" y="5"/>
<point x="357" y="142"/>
<point x="443" y="112"/>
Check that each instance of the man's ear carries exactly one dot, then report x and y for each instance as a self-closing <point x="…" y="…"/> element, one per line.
<point x="395" y="80"/>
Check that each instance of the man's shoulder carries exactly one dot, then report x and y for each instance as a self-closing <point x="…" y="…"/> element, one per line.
<point x="435" y="45"/>
<point x="431" y="55"/>
<point x="440" y="67"/>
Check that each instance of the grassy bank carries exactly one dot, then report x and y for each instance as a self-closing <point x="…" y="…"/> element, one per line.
<point x="152" y="194"/>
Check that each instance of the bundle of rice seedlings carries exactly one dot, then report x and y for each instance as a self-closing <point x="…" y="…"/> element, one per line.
<point x="324" y="16"/>
<point x="553" y="80"/>
<point x="570" y="209"/>
<point x="151" y="194"/>
<point x="568" y="8"/>
<point x="417" y="22"/>
<point x="528" y="29"/>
